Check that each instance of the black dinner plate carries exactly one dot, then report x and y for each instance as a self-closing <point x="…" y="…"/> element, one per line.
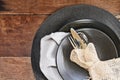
<point x="105" y="48"/>
<point x="64" y="16"/>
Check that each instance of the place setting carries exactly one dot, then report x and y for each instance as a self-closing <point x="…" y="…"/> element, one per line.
<point x="80" y="42"/>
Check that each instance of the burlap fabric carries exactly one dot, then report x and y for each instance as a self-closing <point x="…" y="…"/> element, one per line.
<point x="98" y="70"/>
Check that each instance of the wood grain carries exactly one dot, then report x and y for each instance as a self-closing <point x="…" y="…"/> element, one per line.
<point x="49" y="6"/>
<point x="17" y="33"/>
<point x="16" y="68"/>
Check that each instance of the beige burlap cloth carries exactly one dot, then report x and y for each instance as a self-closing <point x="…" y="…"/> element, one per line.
<point x="98" y="70"/>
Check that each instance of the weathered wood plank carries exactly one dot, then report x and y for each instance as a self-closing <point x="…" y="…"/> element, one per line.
<point x="16" y="68"/>
<point x="49" y="6"/>
<point x="17" y="33"/>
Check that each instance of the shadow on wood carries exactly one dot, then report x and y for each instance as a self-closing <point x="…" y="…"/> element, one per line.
<point x="2" y="8"/>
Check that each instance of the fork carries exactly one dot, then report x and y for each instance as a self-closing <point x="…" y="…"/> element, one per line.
<point x="73" y="42"/>
<point x="77" y="44"/>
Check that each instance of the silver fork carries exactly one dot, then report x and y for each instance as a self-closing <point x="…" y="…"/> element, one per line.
<point x="73" y="42"/>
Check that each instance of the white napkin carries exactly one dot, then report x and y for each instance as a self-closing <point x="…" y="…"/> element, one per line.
<point x="49" y="45"/>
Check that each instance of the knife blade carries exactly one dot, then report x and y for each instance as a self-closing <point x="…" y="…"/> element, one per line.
<point x="76" y="36"/>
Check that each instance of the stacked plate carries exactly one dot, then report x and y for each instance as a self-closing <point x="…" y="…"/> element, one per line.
<point x="101" y="28"/>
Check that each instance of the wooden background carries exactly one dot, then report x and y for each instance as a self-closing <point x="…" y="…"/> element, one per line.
<point x="19" y="21"/>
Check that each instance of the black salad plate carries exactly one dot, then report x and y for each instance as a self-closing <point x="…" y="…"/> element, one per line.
<point x="105" y="48"/>
<point x="91" y="16"/>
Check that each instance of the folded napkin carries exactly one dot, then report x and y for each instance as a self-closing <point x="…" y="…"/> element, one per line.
<point x="98" y="70"/>
<point x="49" y="45"/>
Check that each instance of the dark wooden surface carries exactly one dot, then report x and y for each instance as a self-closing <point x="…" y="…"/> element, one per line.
<point x="17" y="33"/>
<point x="49" y="6"/>
<point x="19" y="21"/>
<point x="16" y="68"/>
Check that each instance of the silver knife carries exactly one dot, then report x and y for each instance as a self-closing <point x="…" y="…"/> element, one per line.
<point x="76" y="36"/>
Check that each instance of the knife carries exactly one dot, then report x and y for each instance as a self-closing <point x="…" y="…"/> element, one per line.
<point x="76" y="36"/>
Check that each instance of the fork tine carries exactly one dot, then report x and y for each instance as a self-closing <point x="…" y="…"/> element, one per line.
<point x="72" y="42"/>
